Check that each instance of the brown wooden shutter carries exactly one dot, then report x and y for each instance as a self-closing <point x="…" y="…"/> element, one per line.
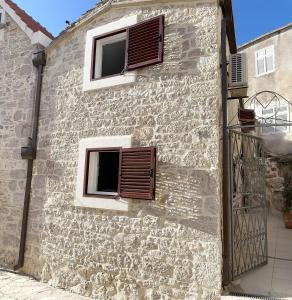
<point x="145" y="43"/>
<point x="137" y="173"/>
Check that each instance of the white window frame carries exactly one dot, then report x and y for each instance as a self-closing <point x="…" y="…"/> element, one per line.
<point x="93" y="174"/>
<point x="266" y="49"/>
<point x="99" y="51"/>
<point x="118" y="203"/>
<point x="126" y="78"/>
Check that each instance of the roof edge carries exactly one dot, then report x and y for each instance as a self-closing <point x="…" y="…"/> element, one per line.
<point x="105" y="5"/>
<point x="37" y="36"/>
<point x="228" y="13"/>
<point x="265" y="36"/>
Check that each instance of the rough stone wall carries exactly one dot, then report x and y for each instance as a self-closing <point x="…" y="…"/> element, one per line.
<point x="17" y="80"/>
<point x="275" y="185"/>
<point x="169" y="248"/>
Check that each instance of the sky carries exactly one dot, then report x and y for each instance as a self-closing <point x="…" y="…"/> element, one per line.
<point x="53" y="14"/>
<point x="252" y="17"/>
<point x="257" y="17"/>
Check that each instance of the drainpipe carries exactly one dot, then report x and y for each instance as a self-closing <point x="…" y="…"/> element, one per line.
<point x="227" y="261"/>
<point x="29" y="152"/>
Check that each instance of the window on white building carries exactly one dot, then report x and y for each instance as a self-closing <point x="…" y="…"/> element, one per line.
<point x="275" y="115"/>
<point x="265" y="61"/>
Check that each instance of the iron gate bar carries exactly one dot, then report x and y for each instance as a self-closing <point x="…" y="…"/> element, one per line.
<point x="247" y="203"/>
<point x="271" y="98"/>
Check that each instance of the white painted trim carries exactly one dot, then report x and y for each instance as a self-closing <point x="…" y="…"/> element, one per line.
<point x="128" y="77"/>
<point x="40" y="38"/>
<point x="99" y="202"/>
<point x="93" y="172"/>
<point x="99" y="50"/>
<point x="35" y="37"/>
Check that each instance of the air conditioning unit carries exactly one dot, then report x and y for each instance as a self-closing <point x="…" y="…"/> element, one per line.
<point x="238" y="78"/>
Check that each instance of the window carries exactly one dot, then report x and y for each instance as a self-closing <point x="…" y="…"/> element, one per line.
<point x="109" y="56"/>
<point x="275" y="115"/>
<point x="102" y="172"/>
<point x="109" y="175"/>
<point x="265" y="61"/>
<point x="114" y="51"/>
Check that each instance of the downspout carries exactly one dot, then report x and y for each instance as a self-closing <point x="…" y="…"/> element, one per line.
<point x="29" y="153"/>
<point x="227" y="261"/>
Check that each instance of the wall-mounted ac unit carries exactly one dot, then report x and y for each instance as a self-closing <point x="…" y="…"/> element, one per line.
<point x="238" y="77"/>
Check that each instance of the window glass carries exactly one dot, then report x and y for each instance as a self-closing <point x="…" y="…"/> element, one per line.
<point x="113" y="58"/>
<point x="281" y="118"/>
<point x="270" y="63"/>
<point x="261" y="65"/>
<point x="275" y="115"/>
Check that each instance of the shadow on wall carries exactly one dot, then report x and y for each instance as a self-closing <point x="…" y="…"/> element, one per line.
<point x="184" y="196"/>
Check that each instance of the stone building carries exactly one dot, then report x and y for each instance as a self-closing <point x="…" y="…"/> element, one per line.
<point x="20" y="37"/>
<point x="126" y="195"/>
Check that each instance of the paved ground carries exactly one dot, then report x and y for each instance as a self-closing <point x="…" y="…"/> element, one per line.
<point x="17" y="287"/>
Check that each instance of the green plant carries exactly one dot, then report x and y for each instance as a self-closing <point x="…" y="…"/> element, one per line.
<point x="288" y="196"/>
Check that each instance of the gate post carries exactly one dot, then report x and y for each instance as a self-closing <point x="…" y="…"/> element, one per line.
<point x="225" y="161"/>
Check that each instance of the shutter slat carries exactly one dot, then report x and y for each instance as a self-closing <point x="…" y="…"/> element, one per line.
<point x="145" y="43"/>
<point x="137" y="173"/>
<point x="144" y="55"/>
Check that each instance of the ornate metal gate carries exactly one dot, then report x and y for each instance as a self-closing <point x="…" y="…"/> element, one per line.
<point x="248" y="203"/>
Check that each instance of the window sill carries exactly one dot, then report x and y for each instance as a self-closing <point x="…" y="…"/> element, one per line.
<point x="103" y="202"/>
<point x="110" y="81"/>
<point x="264" y="74"/>
<point x="105" y="196"/>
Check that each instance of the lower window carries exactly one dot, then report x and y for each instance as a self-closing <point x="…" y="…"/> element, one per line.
<point x="102" y="172"/>
<point x="124" y="172"/>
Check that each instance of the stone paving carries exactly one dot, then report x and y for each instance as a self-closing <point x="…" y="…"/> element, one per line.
<point x="18" y="287"/>
<point x="21" y="287"/>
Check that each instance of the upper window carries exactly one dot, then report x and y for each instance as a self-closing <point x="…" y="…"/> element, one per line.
<point x="109" y="56"/>
<point x="115" y="50"/>
<point x="265" y="61"/>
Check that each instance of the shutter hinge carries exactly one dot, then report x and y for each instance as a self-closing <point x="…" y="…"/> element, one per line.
<point x="160" y="38"/>
<point x="151" y="173"/>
